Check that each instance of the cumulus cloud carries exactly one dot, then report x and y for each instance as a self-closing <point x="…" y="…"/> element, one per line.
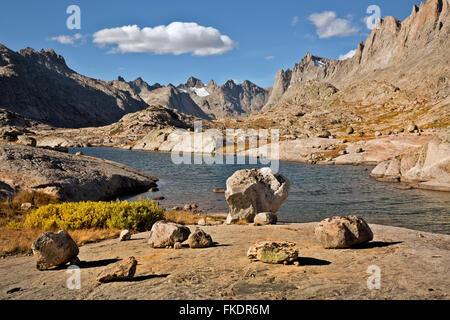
<point x="77" y="38"/>
<point x="295" y="21"/>
<point x="328" y="25"/>
<point x="176" y="38"/>
<point x="348" y="55"/>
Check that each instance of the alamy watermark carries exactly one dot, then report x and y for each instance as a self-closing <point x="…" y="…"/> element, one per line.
<point x="237" y="146"/>
<point x="374" y="281"/>
<point x="374" y="20"/>
<point x="74" y="20"/>
<point x="73" y="282"/>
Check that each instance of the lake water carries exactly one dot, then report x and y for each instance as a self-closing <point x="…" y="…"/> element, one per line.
<point x="317" y="192"/>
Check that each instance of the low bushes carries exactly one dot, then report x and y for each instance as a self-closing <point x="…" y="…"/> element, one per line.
<point x="139" y="216"/>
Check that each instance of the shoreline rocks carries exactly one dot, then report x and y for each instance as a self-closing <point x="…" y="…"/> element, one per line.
<point x="69" y="177"/>
<point x="425" y="168"/>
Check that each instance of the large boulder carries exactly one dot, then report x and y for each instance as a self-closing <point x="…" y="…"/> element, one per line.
<point x="120" y="271"/>
<point x="54" y="249"/>
<point x="343" y="232"/>
<point x="199" y="239"/>
<point x="427" y="168"/>
<point x="166" y="234"/>
<point x="250" y="192"/>
<point x="273" y="252"/>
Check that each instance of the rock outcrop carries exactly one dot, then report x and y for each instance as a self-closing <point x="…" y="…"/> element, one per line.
<point x="69" y="177"/>
<point x="250" y="192"/>
<point x="343" y="232"/>
<point x="54" y="249"/>
<point x="427" y="167"/>
<point x="166" y="234"/>
<point x="273" y="252"/>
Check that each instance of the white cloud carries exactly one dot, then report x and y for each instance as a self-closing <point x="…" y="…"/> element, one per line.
<point x="295" y="21"/>
<point x="348" y="55"/>
<point x="176" y="38"/>
<point x="69" y="40"/>
<point x="269" y="58"/>
<point x="328" y="25"/>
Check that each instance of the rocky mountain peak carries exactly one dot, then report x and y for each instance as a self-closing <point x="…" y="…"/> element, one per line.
<point x="120" y="79"/>
<point x="194" y="83"/>
<point x="47" y="58"/>
<point x="229" y="85"/>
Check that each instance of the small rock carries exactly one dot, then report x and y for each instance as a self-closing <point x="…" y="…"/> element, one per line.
<point x="187" y="207"/>
<point x="265" y="218"/>
<point x="349" y="130"/>
<point x="79" y="153"/>
<point x="154" y="189"/>
<point x="273" y="252"/>
<point x="176" y="209"/>
<point x="378" y="134"/>
<point x="122" y="270"/>
<point x="158" y="198"/>
<point x="125" y="235"/>
<point x="343" y="232"/>
<point x="26" y="206"/>
<point x="231" y="219"/>
<point x="219" y="190"/>
<point x="178" y="245"/>
<point x="202" y="222"/>
<point x="412" y="127"/>
<point x="199" y="239"/>
<point x="27" y="141"/>
<point x="324" y="134"/>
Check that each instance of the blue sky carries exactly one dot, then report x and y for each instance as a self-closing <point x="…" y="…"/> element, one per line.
<point x="250" y="40"/>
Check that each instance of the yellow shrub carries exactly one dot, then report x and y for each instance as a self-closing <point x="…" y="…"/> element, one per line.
<point x="139" y="216"/>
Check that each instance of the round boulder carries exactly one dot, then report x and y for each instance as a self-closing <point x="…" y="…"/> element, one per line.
<point x="54" y="249"/>
<point x="250" y="192"/>
<point x="166" y="234"/>
<point x="343" y="232"/>
<point x="199" y="239"/>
